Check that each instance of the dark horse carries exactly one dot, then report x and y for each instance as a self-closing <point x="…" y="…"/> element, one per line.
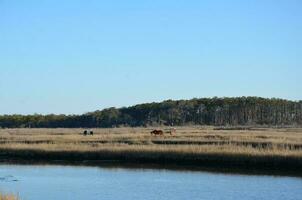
<point x="86" y="132"/>
<point x="157" y="132"/>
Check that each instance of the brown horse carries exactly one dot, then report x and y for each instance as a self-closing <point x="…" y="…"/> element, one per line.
<point x="157" y="132"/>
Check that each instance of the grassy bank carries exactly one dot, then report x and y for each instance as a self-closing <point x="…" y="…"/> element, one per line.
<point x="277" y="149"/>
<point x="8" y="197"/>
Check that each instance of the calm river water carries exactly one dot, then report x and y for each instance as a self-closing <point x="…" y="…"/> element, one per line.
<point x="69" y="182"/>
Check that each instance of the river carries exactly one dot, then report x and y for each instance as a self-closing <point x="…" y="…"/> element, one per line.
<point x="55" y="182"/>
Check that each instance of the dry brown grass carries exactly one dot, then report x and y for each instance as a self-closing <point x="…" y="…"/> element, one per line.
<point x="8" y="197"/>
<point x="188" y="144"/>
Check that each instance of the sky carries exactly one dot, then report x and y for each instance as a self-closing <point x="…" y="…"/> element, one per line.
<point x="75" y="56"/>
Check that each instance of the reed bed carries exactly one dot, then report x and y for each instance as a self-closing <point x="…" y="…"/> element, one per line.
<point x="272" y="148"/>
<point x="8" y="197"/>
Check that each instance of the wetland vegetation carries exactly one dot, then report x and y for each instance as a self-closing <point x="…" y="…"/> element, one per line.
<point x="250" y="148"/>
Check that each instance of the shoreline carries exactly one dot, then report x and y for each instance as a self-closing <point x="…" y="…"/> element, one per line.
<point x="237" y="164"/>
<point x="273" y="151"/>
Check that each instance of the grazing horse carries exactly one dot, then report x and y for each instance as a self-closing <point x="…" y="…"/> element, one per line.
<point x="86" y="132"/>
<point x="157" y="132"/>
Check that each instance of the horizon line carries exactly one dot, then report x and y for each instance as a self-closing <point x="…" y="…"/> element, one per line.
<point x="156" y="102"/>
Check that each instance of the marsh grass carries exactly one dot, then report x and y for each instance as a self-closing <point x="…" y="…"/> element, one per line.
<point x="276" y="148"/>
<point x="8" y="197"/>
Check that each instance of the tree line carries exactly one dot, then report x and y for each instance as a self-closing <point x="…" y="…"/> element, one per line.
<point x="205" y="111"/>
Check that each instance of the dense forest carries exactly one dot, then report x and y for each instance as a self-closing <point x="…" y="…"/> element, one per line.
<point x="205" y="111"/>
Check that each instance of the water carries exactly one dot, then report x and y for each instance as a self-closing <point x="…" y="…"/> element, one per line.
<point x="69" y="182"/>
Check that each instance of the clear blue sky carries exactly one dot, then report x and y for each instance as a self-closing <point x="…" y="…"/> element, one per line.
<point x="78" y="56"/>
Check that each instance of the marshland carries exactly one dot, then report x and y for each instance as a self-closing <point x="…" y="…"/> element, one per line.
<point x="152" y="100"/>
<point x="198" y="146"/>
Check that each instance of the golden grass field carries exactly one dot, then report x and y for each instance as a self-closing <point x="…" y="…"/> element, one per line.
<point x="199" y="145"/>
